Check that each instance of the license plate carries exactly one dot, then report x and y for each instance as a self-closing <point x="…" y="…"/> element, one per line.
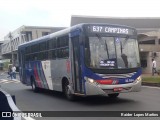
<point x="117" y="89"/>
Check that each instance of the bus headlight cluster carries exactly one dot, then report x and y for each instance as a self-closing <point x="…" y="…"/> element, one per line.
<point x="90" y="80"/>
<point x="138" y="79"/>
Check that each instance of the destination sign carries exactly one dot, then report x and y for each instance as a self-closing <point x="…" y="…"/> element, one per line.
<point x="111" y="29"/>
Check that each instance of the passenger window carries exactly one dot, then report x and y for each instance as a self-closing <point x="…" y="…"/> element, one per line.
<point x="63" y="53"/>
<point x="42" y="46"/>
<point x="52" y="54"/>
<point x="63" y="41"/>
<point x="52" y="43"/>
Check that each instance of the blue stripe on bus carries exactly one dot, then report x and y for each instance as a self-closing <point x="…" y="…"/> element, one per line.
<point x="75" y="33"/>
<point x="37" y="65"/>
<point x="83" y="89"/>
<point x="88" y="73"/>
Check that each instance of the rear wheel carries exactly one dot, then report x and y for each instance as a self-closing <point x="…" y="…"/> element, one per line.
<point x="33" y="84"/>
<point x="114" y="95"/>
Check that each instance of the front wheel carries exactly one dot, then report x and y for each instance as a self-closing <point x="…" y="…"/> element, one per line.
<point x="114" y="95"/>
<point x="68" y="93"/>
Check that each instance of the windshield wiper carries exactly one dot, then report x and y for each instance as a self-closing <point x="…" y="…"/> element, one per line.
<point x="100" y="39"/>
<point x="125" y="41"/>
<point x="122" y="46"/>
<point x="124" y="57"/>
<point x="107" y="49"/>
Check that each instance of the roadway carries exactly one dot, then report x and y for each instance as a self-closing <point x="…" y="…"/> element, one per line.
<point x="146" y="100"/>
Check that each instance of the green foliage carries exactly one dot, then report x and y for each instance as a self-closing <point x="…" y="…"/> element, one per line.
<point x="6" y="65"/>
<point x="151" y="79"/>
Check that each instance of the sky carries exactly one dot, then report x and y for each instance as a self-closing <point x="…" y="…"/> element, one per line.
<point x="57" y="13"/>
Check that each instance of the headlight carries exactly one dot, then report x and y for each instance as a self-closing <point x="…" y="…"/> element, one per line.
<point x="90" y="80"/>
<point x="138" y="79"/>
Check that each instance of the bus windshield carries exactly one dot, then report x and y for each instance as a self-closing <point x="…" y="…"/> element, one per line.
<point x="111" y="52"/>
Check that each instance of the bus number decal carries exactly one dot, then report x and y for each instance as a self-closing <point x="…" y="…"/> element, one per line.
<point x="97" y="28"/>
<point x="129" y="80"/>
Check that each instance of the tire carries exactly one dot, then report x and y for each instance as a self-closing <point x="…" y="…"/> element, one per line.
<point x="34" y="87"/>
<point x="114" y="95"/>
<point x="68" y="93"/>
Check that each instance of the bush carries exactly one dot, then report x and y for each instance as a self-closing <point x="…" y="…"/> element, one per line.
<point x="6" y="65"/>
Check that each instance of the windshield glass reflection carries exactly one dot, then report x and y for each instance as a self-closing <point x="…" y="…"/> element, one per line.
<point x="111" y="52"/>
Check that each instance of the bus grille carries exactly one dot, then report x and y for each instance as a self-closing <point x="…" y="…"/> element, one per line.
<point x="109" y="76"/>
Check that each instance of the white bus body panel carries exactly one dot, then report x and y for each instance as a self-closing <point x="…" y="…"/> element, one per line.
<point x="58" y="71"/>
<point x="94" y="89"/>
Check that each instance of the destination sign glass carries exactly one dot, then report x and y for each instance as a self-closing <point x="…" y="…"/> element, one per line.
<point x="111" y="29"/>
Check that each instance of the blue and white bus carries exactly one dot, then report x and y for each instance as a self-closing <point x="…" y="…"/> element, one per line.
<point x="86" y="59"/>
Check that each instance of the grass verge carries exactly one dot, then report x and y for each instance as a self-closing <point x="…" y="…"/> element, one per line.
<point x="151" y="79"/>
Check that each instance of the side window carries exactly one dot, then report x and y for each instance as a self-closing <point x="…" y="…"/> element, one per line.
<point x="63" y="53"/>
<point x="27" y="58"/>
<point x="28" y="50"/>
<point x="35" y="56"/>
<point x="33" y="48"/>
<point x="31" y="57"/>
<point x="51" y="49"/>
<point x="47" y="45"/>
<point x="42" y="55"/>
<point x="63" y="47"/>
<point x="66" y="41"/>
<point x="36" y="48"/>
<point x="37" y="52"/>
<point x="52" y="54"/>
<point x="59" y="53"/>
<point x="52" y="43"/>
<point x="58" y="42"/>
<point x="63" y="41"/>
<point x="42" y="46"/>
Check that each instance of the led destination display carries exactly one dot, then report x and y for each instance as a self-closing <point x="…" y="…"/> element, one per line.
<point x="111" y="29"/>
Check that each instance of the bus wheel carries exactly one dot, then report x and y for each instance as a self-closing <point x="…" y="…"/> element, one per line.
<point x="33" y="84"/>
<point x="114" y="95"/>
<point x="68" y="93"/>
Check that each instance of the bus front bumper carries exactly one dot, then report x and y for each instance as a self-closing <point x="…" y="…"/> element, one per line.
<point x="99" y="89"/>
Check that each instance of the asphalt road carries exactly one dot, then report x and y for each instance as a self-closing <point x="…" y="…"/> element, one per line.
<point x="146" y="100"/>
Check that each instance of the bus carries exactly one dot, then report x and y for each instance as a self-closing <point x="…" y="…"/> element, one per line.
<point x="83" y="60"/>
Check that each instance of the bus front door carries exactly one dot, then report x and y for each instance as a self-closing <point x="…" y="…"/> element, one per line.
<point x="76" y="63"/>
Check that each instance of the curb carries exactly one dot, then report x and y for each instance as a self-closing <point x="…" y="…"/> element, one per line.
<point x="151" y="84"/>
<point x="9" y="104"/>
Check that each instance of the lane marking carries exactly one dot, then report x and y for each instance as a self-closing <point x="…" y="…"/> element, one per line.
<point x="151" y="87"/>
<point x="4" y="81"/>
<point x="16" y="80"/>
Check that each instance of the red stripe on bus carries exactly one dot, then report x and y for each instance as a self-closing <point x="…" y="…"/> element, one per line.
<point x="37" y="77"/>
<point x="106" y="82"/>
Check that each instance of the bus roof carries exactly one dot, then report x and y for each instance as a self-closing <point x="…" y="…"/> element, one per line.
<point x="58" y="33"/>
